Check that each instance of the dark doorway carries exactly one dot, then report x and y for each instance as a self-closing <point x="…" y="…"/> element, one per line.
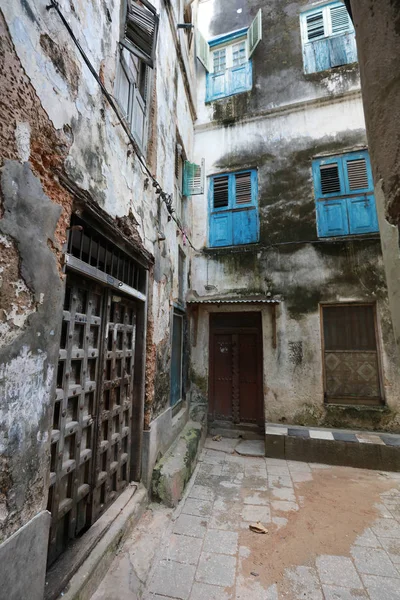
<point x="236" y="381"/>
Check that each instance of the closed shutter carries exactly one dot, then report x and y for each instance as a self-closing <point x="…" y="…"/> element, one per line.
<point x="332" y="218"/>
<point x="193" y="179"/>
<point x="340" y="20"/>
<point x="344" y="195"/>
<point x="358" y="174"/>
<point x="362" y="215"/>
<point x="221" y="229"/>
<point x="240" y="78"/>
<point x="245" y="226"/>
<point x="141" y="30"/>
<point x="254" y="34"/>
<point x="351" y="369"/>
<point x="243" y="188"/>
<point x="315" y="25"/>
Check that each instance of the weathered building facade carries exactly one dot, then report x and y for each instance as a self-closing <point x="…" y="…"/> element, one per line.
<point x="291" y="322"/>
<point x="98" y="106"/>
<point x="174" y="229"/>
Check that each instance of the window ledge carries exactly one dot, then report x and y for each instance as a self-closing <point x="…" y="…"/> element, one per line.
<point x="351" y="238"/>
<point x="231" y="249"/>
<point x="378" y="408"/>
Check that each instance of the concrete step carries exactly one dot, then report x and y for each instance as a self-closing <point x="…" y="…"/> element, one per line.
<point x="226" y="429"/>
<point x="360" y="449"/>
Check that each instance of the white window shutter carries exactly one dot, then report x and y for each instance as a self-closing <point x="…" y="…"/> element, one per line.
<point x="340" y="19"/>
<point x="254" y="33"/>
<point x="141" y="30"/>
<point x="314" y="26"/>
<point x="203" y="51"/>
<point x="193" y="179"/>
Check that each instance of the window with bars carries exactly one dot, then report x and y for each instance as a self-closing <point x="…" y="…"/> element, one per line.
<point x="351" y="362"/>
<point x="233" y="209"/>
<point x="227" y="60"/>
<point x="328" y="37"/>
<point x="344" y="192"/>
<point x="131" y="93"/>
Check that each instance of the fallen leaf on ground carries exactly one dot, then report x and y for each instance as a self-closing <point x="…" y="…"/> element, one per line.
<point x="258" y="528"/>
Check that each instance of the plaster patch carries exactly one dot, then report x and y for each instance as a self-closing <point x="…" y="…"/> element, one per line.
<point x="23" y="141"/>
<point x="25" y="385"/>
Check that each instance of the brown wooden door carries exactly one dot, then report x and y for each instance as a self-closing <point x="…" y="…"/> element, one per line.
<point x="236" y="368"/>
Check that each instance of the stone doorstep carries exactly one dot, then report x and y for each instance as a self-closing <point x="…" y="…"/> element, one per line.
<point x="78" y="573"/>
<point x="174" y="470"/>
<point x="361" y="449"/>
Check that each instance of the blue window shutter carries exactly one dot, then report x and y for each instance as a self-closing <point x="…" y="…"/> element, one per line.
<point x="221" y="229"/>
<point x="245" y="226"/>
<point x="322" y="55"/>
<point x="217" y="85"/>
<point x="362" y="214"/>
<point x="240" y="78"/>
<point x="328" y="177"/>
<point x="351" y="47"/>
<point x="357" y="173"/>
<point x="309" y="59"/>
<point x="332" y="218"/>
<point x="337" y="51"/>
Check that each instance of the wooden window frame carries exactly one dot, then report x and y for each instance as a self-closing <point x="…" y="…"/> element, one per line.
<point x="135" y="97"/>
<point x="345" y="198"/>
<point x="350" y="401"/>
<point x="325" y="60"/>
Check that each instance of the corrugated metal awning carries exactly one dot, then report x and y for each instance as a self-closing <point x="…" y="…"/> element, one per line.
<point x="248" y="300"/>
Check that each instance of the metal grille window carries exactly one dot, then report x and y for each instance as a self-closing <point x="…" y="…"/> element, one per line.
<point x="351" y="364"/>
<point x="91" y="436"/>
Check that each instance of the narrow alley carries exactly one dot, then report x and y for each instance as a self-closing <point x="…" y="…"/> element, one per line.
<point x="333" y="534"/>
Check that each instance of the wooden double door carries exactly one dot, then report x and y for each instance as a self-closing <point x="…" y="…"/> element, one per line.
<point x="236" y="380"/>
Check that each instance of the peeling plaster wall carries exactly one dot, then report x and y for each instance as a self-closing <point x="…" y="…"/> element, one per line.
<point x="278" y="127"/>
<point x="377" y="24"/>
<point x="55" y="120"/>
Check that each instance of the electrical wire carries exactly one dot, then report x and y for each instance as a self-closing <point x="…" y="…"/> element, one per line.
<point x="166" y="198"/>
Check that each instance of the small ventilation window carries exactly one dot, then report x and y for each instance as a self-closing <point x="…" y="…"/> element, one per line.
<point x="330" y="181"/>
<point x="357" y="173"/>
<point x="221" y="195"/>
<point x="315" y="26"/>
<point x="243" y="188"/>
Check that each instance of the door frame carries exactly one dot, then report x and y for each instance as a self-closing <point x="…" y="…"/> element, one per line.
<point x="260" y="358"/>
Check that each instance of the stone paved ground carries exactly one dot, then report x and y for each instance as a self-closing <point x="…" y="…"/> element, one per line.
<point x="333" y="534"/>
